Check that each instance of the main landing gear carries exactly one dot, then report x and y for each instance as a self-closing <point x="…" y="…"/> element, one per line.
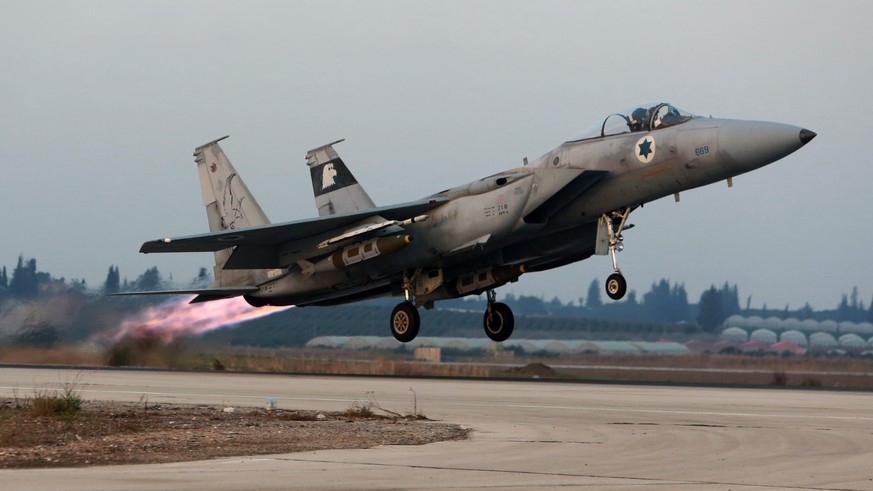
<point x="498" y="320"/>
<point x="405" y="321"/>
<point x="616" y="285"/>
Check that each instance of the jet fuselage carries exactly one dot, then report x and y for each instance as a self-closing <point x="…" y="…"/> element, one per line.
<point x="484" y="225"/>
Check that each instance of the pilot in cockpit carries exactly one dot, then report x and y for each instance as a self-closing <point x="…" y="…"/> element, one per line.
<point x="639" y="120"/>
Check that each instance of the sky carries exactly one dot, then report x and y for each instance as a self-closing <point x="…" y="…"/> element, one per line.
<point x="103" y="102"/>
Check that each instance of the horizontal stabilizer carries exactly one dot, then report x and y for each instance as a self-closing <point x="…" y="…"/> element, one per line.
<point x="253" y="257"/>
<point x="283" y="233"/>
<point x="203" y="294"/>
<point x="203" y="297"/>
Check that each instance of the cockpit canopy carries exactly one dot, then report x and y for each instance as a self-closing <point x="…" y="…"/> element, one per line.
<point x="646" y="117"/>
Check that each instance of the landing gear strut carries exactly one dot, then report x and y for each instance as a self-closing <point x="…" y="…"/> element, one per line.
<point x="498" y="320"/>
<point x="405" y="320"/>
<point x="616" y="285"/>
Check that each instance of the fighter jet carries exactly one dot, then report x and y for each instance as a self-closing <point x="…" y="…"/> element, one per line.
<point x="569" y="204"/>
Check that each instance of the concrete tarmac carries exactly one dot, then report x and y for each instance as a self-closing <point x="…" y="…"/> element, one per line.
<point x="527" y="435"/>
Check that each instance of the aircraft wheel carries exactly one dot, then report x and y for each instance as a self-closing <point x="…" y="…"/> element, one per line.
<point x="616" y="286"/>
<point x="405" y="322"/>
<point x="499" y="322"/>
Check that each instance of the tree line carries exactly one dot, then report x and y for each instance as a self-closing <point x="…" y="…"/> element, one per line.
<point x="26" y="282"/>
<point x="665" y="301"/>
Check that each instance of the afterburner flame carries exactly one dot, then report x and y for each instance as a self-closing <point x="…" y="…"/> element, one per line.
<point x="177" y="317"/>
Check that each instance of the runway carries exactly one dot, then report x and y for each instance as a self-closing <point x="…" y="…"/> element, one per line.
<point x="526" y="435"/>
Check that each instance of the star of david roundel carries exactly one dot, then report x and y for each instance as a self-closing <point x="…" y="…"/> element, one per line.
<point x="645" y="149"/>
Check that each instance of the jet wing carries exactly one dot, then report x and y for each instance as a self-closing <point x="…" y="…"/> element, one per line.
<point x="267" y="238"/>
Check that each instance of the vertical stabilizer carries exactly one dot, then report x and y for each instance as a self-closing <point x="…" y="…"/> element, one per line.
<point x="336" y="189"/>
<point x="229" y="205"/>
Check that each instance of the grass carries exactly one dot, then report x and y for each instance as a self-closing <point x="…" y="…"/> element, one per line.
<point x="369" y="409"/>
<point x="65" y="403"/>
<point x="61" y="355"/>
<point x="49" y="412"/>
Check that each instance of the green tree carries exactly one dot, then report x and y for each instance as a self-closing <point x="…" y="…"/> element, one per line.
<point x="555" y="306"/>
<point x="592" y="300"/>
<point x="716" y="305"/>
<point x="113" y="280"/>
<point x="679" y="309"/>
<point x="4" y="280"/>
<point x="666" y="303"/>
<point x="843" y="309"/>
<point x="805" y="312"/>
<point x="711" y="312"/>
<point x="730" y="300"/>
<point x="150" y="280"/>
<point x="530" y="305"/>
<point x="24" y="279"/>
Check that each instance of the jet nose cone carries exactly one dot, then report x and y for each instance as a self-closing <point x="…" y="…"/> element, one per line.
<point x="753" y="144"/>
<point x="806" y="136"/>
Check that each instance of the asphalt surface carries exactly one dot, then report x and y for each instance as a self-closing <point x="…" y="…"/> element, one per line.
<point x="527" y="435"/>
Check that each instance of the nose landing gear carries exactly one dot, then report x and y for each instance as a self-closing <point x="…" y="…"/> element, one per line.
<point x="616" y="285"/>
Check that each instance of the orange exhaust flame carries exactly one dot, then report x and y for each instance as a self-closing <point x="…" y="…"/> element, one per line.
<point x="177" y="317"/>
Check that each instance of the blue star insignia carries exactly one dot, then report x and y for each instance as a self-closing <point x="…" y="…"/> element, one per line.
<point x="645" y="148"/>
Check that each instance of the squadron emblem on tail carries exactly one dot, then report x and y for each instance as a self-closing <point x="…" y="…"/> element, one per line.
<point x="328" y="178"/>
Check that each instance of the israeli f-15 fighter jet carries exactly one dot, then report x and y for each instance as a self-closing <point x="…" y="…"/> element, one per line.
<point x="569" y="204"/>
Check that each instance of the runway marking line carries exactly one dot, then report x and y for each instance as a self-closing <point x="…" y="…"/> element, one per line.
<point x="675" y="482"/>
<point x="665" y="411"/>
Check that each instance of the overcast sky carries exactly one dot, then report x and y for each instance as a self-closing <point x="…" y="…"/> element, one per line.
<point x="102" y="104"/>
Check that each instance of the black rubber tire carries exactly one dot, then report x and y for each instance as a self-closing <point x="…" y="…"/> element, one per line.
<point x="616" y="286"/>
<point x="405" y="322"/>
<point x="498" y="322"/>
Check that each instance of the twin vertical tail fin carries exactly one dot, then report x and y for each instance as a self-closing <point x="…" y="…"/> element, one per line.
<point x="336" y="189"/>
<point x="229" y="205"/>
